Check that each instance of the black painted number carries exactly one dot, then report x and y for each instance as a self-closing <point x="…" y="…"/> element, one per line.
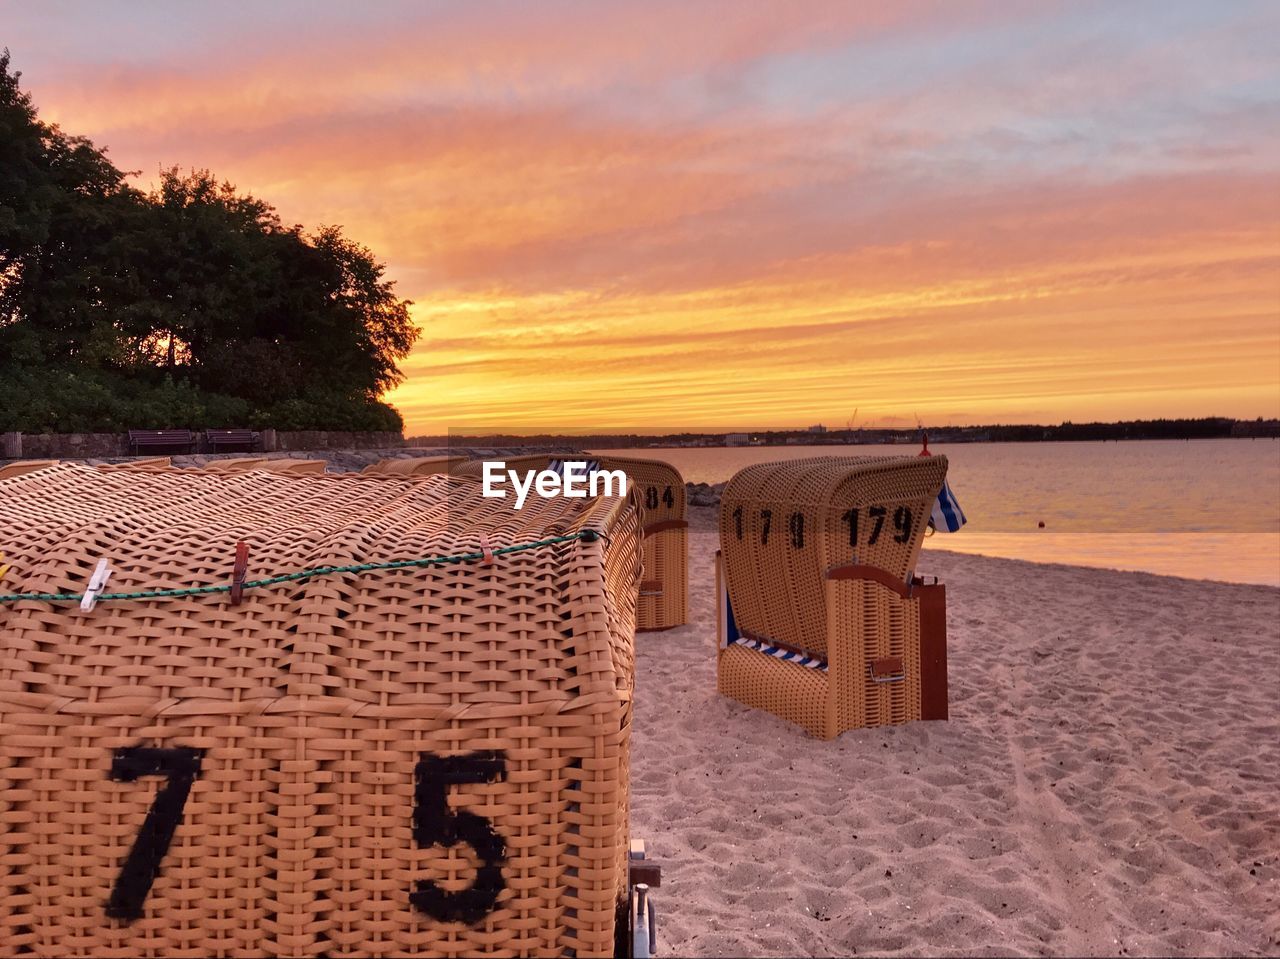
<point x="878" y="514"/>
<point x="435" y="824"/>
<point x="851" y="517"/>
<point x="668" y="497"/>
<point x="766" y="518"/>
<point x="902" y="523"/>
<point x="651" y="498"/>
<point x="737" y="521"/>
<point x="796" y="525"/>
<point x="180" y="766"/>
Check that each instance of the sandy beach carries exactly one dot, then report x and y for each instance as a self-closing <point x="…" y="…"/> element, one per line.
<point x="1108" y="783"/>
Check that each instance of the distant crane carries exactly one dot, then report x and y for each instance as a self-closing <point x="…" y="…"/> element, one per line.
<point x="849" y="424"/>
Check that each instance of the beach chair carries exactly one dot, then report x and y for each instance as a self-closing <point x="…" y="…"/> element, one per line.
<point x="279" y="465"/>
<point x="294" y="467"/>
<point x="21" y="467"/>
<point x="317" y="717"/>
<point x="236" y="464"/>
<point x="414" y="466"/>
<point x="147" y="463"/>
<point x="664" y="592"/>
<point x="820" y="619"/>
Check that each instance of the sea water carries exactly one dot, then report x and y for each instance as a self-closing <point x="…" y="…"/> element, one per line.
<point x="1204" y="509"/>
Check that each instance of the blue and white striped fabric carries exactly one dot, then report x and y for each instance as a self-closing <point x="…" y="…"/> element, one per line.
<point x="787" y="655"/>
<point x="947" y="515"/>
<point x="557" y="466"/>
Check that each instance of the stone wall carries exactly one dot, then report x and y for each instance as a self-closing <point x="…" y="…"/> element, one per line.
<point x="57" y="446"/>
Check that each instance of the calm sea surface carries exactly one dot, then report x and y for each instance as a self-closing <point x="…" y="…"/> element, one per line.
<point x="1205" y="509"/>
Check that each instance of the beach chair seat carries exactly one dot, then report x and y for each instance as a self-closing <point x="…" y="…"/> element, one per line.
<point x="820" y="620"/>
<point x="664" y="591"/>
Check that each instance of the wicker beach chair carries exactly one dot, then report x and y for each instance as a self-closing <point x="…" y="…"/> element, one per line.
<point x="294" y="467"/>
<point x="235" y="464"/>
<point x="399" y="727"/>
<point x="664" y="594"/>
<point x="282" y="464"/>
<point x="414" y="466"/>
<point x="19" y="467"/>
<point x="820" y="617"/>
<point x="146" y="463"/>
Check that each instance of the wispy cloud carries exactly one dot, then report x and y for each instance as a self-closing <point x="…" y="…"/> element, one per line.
<point x="679" y="212"/>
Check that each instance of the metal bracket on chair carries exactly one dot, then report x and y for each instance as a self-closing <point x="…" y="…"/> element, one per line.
<point x="644" y="870"/>
<point x="643" y="876"/>
<point x="887" y="669"/>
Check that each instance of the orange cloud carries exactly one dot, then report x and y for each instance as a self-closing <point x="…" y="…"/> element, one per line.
<point x="680" y="213"/>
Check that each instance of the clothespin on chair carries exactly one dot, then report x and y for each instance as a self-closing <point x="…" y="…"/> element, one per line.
<point x="239" y="572"/>
<point x="97" y="585"/>
<point x="4" y="567"/>
<point x="486" y="549"/>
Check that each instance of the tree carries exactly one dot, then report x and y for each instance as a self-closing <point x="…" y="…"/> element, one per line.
<point x="183" y="306"/>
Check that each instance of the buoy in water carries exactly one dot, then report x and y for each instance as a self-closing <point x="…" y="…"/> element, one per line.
<point x="1042" y="524"/>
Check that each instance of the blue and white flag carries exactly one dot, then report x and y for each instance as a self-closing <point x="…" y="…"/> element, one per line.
<point x="947" y="515"/>
<point x="589" y="466"/>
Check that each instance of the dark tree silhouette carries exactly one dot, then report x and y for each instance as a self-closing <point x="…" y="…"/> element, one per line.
<point x="189" y="305"/>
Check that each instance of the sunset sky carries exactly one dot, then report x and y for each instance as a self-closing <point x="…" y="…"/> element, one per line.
<point x="684" y="214"/>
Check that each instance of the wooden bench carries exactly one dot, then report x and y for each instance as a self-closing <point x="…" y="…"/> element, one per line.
<point x="161" y="439"/>
<point x="227" y="440"/>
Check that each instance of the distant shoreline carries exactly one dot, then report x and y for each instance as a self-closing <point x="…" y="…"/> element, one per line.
<point x="1208" y="428"/>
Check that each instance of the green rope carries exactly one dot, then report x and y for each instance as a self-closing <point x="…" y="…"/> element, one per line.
<point x="587" y="536"/>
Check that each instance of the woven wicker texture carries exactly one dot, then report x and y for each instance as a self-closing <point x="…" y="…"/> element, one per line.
<point x="297" y="467"/>
<point x="234" y="464"/>
<point x="240" y="464"/>
<point x="399" y="762"/>
<point x="415" y="466"/>
<point x="149" y="463"/>
<point x="19" y="467"/>
<point x="664" y="594"/>
<point x="783" y="527"/>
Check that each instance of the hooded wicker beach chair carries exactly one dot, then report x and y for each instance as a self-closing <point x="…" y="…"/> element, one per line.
<point x="269" y="464"/>
<point x="394" y="722"/>
<point x="19" y="467"/>
<point x="294" y="467"/>
<point x="414" y="466"/>
<point x="664" y="594"/>
<point x="147" y="463"/>
<point x="820" y="617"/>
<point x="235" y="464"/>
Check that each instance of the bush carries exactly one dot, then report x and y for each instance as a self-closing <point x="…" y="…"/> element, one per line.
<point x="57" y="401"/>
